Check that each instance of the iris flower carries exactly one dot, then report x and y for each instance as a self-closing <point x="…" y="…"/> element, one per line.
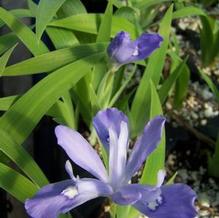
<point x="122" y="50"/>
<point x="159" y="201"/>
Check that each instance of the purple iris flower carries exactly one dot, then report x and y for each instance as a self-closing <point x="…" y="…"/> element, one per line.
<point x="122" y="50"/>
<point x="160" y="201"/>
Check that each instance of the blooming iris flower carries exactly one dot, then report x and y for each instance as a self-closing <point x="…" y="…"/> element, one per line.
<point x="160" y="201"/>
<point x="122" y="50"/>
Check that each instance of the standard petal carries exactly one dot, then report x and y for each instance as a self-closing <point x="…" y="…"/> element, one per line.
<point x="121" y="48"/>
<point x="146" y="44"/>
<point x="61" y="197"/>
<point x="145" y="144"/>
<point x="117" y="42"/>
<point x="80" y="151"/>
<point x="177" y="201"/>
<point x="105" y="119"/>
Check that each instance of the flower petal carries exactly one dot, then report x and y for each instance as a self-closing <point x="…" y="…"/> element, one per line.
<point x="177" y="202"/>
<point x="105" y="119"/>
<point x="118" y="155"/>
<point x="131" y="193"/>
<point x="80" y="151"/>
<point x="145" y="144"/>
<point x="126" y="197"/>
<point x="121" y="48"/>
<point x="146" y="44"/>
<point x="49" y="202"/>
<point x="63" y="196"/>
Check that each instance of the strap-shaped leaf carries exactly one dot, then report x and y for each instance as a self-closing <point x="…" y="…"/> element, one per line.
<point x="52" y="60"/>
<point x="155" y="161"/>
<point x="210" y="84"/>
<point x="20" y="156"/>
<point x="89" y="23"/>
<point x="4" y="59"/>
<point x="23" y="116"/>
<point x="170" y="81"/>
<point x="105" y="26"/>
<point x="16" y="184"/>
<point x="71" y="7"/>
<point x="19" y="13"/>
<point x="188" y="11"/>
<point x="45" y="12"/>
<point x="7" y="41"/>
<point x="139" y="113"/>
<point x="23" y="32"/>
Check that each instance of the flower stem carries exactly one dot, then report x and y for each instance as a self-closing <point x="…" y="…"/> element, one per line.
<point x="113" y="209"/>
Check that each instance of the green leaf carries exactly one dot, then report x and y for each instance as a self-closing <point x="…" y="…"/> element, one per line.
<point x="127" y="12"/>
<point x="171" y="180"/>
<point x="122" y="88"/>
<point x="20" y="156"/>
<point x="59" y="108"/>
<point x="170" y="81"/>
<point x="61" y="38"/>
<point x="45" y="12"/>
<point x="19" y="13"/>
<point x="181" y="87"/>
<point x="23" y="116"/>
<point x="4" y="59"/>
<point x="188" y="11"/>
<point x="156" y="160"/>
<point x="213" y="161"/>
<point x="139" y="109"/>
<point x="17" y="185"/>
<point x="210" y="84"/>
<point x="26" y="112"/>
<point x="207" y="40"/>
<point x="23" y="32"/>
<point x="7" y="41"/>
<point x="32" y="7"/>
<point x="146" y="4"/>
<point x="71" y="7"/>
<point x="89" y="23"/>
<point x="105" y="26"/>
<point x="50" y="61"/>
<point x="6" y="102"/>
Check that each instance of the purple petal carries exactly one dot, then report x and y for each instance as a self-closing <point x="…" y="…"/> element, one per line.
<point x="122" y="50"/>
<point x="177" y="202"/>
<point x="145" y="144"/>
<point x="126" y="197"/>
<point x="105" y="119"/>
<point x="80" y="151"/>
<point x="69" y="170"/>
<point x="63" y="196"/>
<point x="118" y="154"/>
<point x="130" y="194"/>
<point x="49" y="202"/>
<point x="146" y="44"/>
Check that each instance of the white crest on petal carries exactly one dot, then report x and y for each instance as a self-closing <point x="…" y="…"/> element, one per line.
<point x="153" y="205"/>
<point x="160" y="177"/>
<point x="135" y="52"/>
<point x="70" y="192"/>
